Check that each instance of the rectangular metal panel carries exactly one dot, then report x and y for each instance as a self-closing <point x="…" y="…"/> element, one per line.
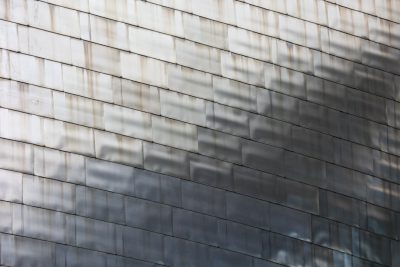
<point x="109" y="176"/>
<point x="11" y="186"/>
<point x="148" y="215"/>
<point x="199" y="227"/>
<point x="118" y="148"/>
<point x="183" y="107"/>
<point x="203" y="199"/>
<point x="165" y="160"/>
<point x="174" y="133"/>
<point x="143" y="245"/>
<point x="48" y="193"/>
<point x="247" y="210"/>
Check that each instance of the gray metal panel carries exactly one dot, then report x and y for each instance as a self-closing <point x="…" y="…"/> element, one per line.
<point x="290" y="222"/>
<point x="198" y="227"/>
<point x="99" y="204"/>
<point x="16" y="156"/>
<point x="190" y="253"/>
<point x="148" y="215"/>
<point x="48" y="193"/>
<point x="289" y="251"/>
<point x="211" y="171"/>
<point x="269" y="131"/>
<point x="244" y="239"/>
<point x="59" y="165"/>
<point x="96" y="235"/>
<point x="143" y="245"/>
<point x="203" y="199"/>
<point x="174" y="133"/>
<point x="345" y="209"/>
<point x="6" y="209"/>
<point x="11" y="186"/>
<point x="140" y="96"/>
<point x="109" y="176"/>
<point x="47" y="225"/>
<point x="199" y="133"/>
<point x="219" y="145"/>
<point x="183" y="107"/>
<point x="189" y="81"/>
<point x="331" y="234"/>
<point x="165" y="160"/>
<point x="24" y="252"/>
<point x="234" y="94"/>
<point x="298" y="195"/>
<point x="254" y="183"/>
<point x="248" y="211"/>
<point x="224" y="258"/>
<point x="117" y="148"/>
<point x="262" y="157"/>
<point x="230" y="120"/>
<point x="127" y="122"/>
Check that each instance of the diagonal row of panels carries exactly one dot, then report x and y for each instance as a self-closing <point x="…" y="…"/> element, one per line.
<point x="136" y="145"/>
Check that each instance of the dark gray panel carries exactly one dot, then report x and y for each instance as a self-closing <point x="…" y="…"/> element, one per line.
<point x="230" y="120"/>
<point x="313" y="116"/>
<point x="290" y="251"/>
<point x="290" y="222"/>
<point x="199" y="227"/>
<point x="67" y="256"/>
<point x="346" y="181"/>
<point x="99" y="204"/>
<point x="269" y="131"/>
<point x="244" y="239"/>
<point x="125" y="262"/>
<point x="211" y="171"/>
<point x="357" y="262"/>
<point x="148" y="215"/>
<point x="203" y="199"/>
<point x="97" y="235"/>
<point x="165" y="160"/>
<point x="371" y="246"/>
<point x="262" y="157"/>
<point x="379" y="191"/>
<point x="381" y="221"/>
<point x="190" y="253"/>
<point x="298" y="195"/>
<point x="263" y="263"/>
<point x="254" y="183"/>
<point x="395" y="246"/>
<point x="362" y="158"/>
<point x="343" y="209"/>
<point x="219" y="145"/>
<point x="331" y="234"/>
<point x="171" y="190"/>
<point x="223" y="258"/>
<point x="285" y="108"/>
<point x="304" y="169"/>
<point x="324" y="257"/>
<point x="142" y="245"/>
<point x="247" y="210"/>
<point x="147" y="185"/>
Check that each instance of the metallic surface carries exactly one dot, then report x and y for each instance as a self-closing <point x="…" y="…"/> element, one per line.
<point x="193" y="133"/>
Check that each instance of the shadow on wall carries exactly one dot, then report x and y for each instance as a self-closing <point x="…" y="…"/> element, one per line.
<point x="354" y="131"/>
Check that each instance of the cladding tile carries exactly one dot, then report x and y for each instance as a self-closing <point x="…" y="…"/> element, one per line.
<point x="150" y="215"/>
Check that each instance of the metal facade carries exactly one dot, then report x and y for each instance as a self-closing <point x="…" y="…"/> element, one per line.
<point x="200" y="133"/>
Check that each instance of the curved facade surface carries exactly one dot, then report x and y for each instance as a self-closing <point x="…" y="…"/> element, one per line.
<point x="199" y="133"/>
